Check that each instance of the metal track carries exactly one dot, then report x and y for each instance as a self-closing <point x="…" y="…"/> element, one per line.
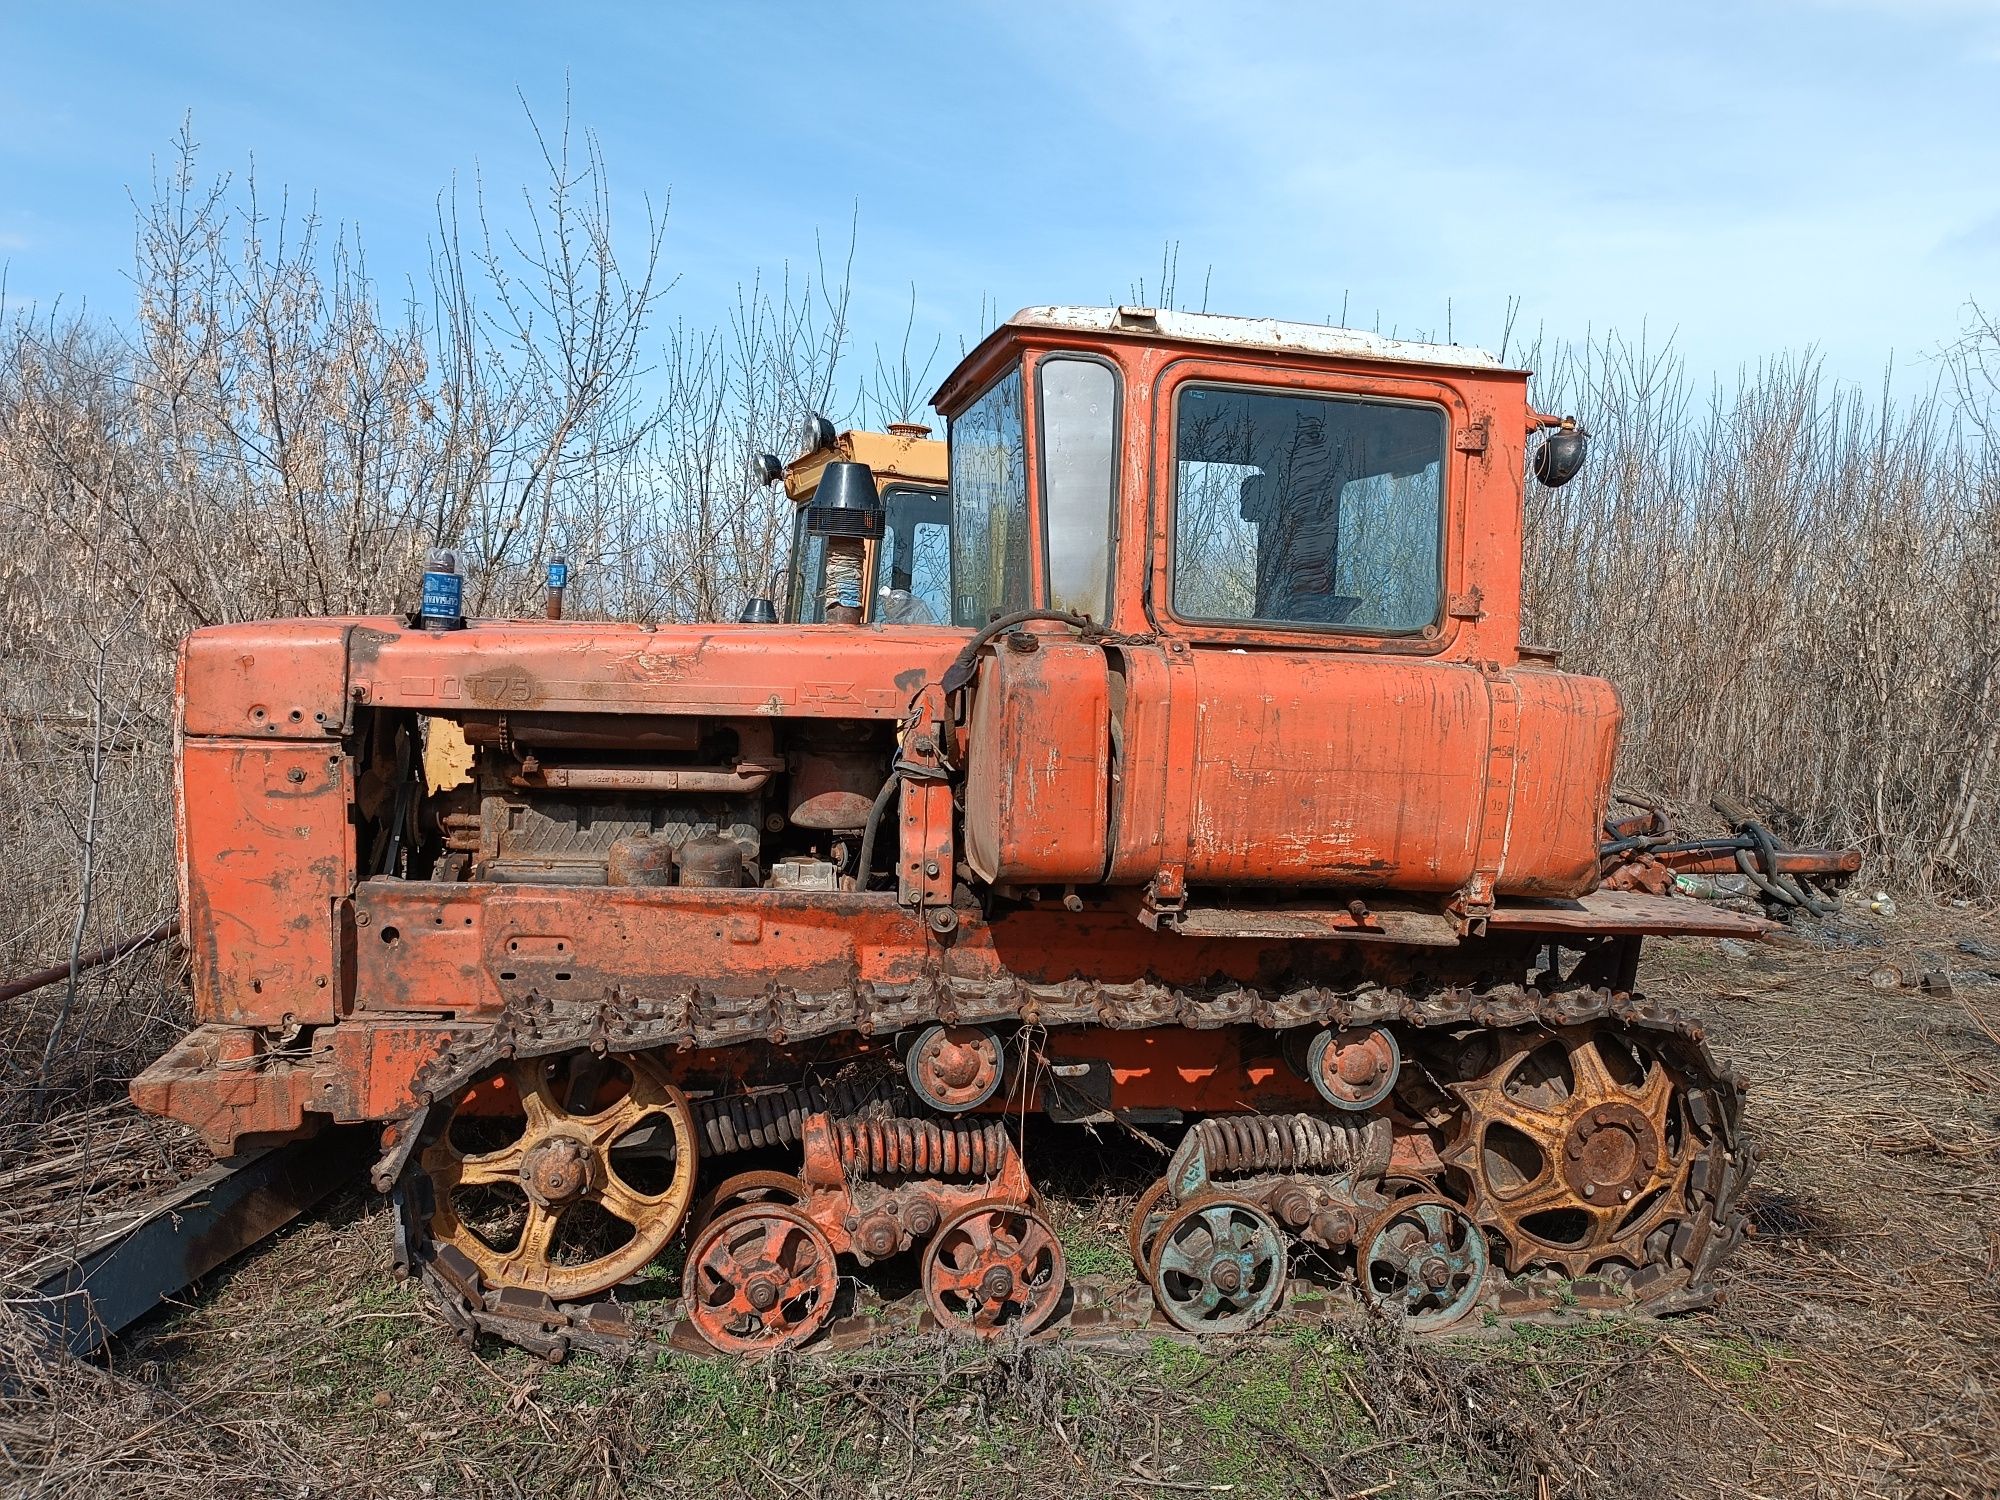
<point x="1683" y="1280"/>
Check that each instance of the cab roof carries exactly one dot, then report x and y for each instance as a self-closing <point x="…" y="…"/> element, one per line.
<point x="1161" y="324"/>
<point x="1253" y="333"/>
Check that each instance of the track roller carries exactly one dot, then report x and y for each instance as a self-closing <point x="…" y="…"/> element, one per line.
<point x="760" y="1278"/>
<point x="1218" y="1265"/>
<point x="995" y="1269"/>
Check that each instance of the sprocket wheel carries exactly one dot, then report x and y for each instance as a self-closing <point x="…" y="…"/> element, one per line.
<point x="589" y="1180"/>
<point x="996" y="1268"/>
<point x="1577" y="1147"/>
<point x="760" y="1278"/>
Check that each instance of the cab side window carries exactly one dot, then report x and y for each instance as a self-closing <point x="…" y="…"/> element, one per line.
<point x="1078" y="415"/>
<point x="1308" y="511"/>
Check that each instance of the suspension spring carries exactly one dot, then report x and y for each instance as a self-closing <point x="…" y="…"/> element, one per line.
<point x="921" y="1148"/>
<point x="745" y="1122"/>
<point x="1289" y="1143"/>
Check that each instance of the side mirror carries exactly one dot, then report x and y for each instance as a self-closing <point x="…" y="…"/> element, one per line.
<point x="1561" y="456"/>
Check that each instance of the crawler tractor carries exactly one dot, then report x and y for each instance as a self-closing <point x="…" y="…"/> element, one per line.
<point x="1219" y="803"/>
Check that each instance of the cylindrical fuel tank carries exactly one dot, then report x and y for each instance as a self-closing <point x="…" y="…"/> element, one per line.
<point x="1330" y="768"/>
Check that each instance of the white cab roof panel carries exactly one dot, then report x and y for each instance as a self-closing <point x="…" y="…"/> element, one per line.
<point x="1254" y="333"/>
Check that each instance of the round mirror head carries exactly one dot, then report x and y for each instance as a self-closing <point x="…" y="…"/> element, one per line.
<point x="1561" y="456"/>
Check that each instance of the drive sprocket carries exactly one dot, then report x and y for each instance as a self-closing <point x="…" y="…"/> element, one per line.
<point x="1577" y="1145"/>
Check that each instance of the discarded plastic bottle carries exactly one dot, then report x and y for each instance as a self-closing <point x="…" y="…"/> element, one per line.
<point x="443" y="603"/>
<point x="556" y="580"/>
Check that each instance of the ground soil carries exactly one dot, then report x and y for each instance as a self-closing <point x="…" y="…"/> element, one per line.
<point x="1856" y="1351"/>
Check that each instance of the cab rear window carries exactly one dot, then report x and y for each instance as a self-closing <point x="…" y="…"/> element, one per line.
<point x="1314" y="512"/>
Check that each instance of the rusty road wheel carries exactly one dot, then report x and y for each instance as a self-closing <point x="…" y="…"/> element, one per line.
<point x="563" y="1176"/>
<point x="1577" y="1146"/>
<point x="1148" y="1214"/>
<point x="1425" y="1259"/>
<point x="1218" y="1265"/>
<point x="760" y="1278"/>
<point x="1354" y="1069"/>
<point x="996" y="1268"/>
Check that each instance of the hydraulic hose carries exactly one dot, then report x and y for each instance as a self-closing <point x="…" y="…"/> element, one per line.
<point x="959" y="673"/>
<point x="864" y="866"/>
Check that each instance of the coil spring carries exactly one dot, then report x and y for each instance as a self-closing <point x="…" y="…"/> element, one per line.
<point x="1283" y="1143"/>
<point x="921" y="1148"/>
<point x="745" y="1122"/>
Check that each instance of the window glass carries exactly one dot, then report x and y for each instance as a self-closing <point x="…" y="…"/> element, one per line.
<point x="1078" y="415"/>
<point x="1307" y="510"/>
<point x="808" y="573"/>
<point x="989" y="499"/>
<point x="913" y="567"/>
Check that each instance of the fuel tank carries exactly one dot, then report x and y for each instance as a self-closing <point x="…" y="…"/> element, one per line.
<point x="1286" y="768"/>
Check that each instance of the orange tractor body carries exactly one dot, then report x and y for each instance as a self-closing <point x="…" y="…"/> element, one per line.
<point x="1231" y="740"/>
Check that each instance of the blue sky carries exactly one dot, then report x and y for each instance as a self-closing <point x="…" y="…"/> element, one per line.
<point x="1749" y="177"/>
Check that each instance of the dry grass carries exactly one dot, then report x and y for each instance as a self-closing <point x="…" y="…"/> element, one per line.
<point x="1789" y="581"/>
<point x="83" y="1173"/>
<point x="1856" y="1354"/>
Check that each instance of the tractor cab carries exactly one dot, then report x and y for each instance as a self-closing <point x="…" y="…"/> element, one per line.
<point x="1278" y="567"/>
<point x="906" y="570"/>
<point x="1240" y="481"/>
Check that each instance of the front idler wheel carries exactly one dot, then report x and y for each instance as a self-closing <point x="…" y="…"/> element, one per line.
<point x="760" y="1278"/>
<point x="563" y="1176"/>
<point x="1424" y="1259"/>
<point x="995" y="1269"/>
<point x="1218" y="1266"/>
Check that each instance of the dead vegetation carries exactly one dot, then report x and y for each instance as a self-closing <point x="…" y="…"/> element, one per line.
<point x="1856" y="1353"/>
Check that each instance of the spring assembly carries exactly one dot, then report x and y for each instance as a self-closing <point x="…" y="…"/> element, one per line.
<point x="921" y="1148"/>
<point x="745" y="1122"/>
<point x="1292" y="1143"/>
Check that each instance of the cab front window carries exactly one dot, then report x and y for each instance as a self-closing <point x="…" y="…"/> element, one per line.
<point x="913" y="563"/>
<point x="1313" y="512"/>
<point x="989" y="503"/>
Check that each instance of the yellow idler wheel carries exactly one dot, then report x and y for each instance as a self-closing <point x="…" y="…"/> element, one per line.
<point x="564" y="1176"/>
